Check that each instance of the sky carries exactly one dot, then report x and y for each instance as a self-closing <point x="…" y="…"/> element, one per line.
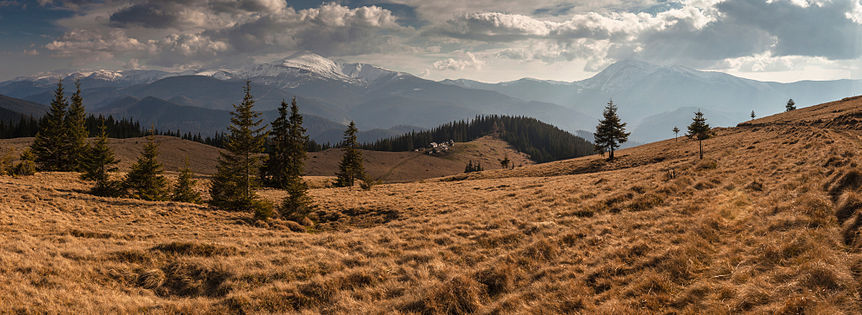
<point x="484" y="40"/>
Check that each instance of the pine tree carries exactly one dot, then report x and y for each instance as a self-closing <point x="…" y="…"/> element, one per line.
<point x="675" y="132"/>
<point x="237" y="177"/>
<point x="350" y="168"/>
<point x="610" y="132"/>
<point x="753" y="115"/>
<point x="97" y="164"/>
<point x="184" y="189"/>
<point x="791" y="105"/>
<point x="76" y="131"/>
<point x="699" y="130"/>
<point x="145" y="179"/>
<point x="49" y="146"/>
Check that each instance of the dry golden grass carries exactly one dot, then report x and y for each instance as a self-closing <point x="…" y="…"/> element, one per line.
<point x="769" y="223"/>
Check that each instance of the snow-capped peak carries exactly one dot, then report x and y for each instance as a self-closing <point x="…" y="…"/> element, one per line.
<point x="620" y="74"/>
<point x="366" y="72"/>
<point x="313" y="63"/>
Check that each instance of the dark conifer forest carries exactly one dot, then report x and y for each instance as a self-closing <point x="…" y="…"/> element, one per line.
<point x="543" y="142"/>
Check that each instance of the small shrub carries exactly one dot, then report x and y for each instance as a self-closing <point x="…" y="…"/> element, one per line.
<point x="184" y="189"/>
<point x="6" y="164"/>
<point x="263" y="210"/>
<point x="108" y="188"/>
<point x="708" y="164"/>
<point x="27" y="165"/>
<point x="368" y="183"/>
<point x="297" y="205"/>
<point x="295" y="227"/>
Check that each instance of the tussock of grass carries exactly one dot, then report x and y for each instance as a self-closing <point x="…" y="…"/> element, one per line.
<point x="849" y="204"/>
<point x="459" y="295"/>
<point x="194" y="249"/>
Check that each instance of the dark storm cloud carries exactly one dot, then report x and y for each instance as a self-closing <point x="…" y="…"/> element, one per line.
<point x="714" y="41"/>
<point x="817" y="30"/>
<point x="149" y="15"/>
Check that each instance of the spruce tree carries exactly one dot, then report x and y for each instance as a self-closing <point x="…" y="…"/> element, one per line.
<point x="49" y="147"/>
<point x="289" y="143"/>
<point x="274" y="172"/>
<point x="98" y="163"/>
<point x="699" y="130"/>
<point x="184" y="189"/>
<point x="76" y="131"/>
<point x="237" y="176"/>
<point x="610" y="132"/>
<point x="791" y="105"/>
<point x="675" y="133"/>
<point x="753" y="115"/>
<point x="350" y="168"/>
<point x="145" y="179"/>
<point x="297" y="204"/>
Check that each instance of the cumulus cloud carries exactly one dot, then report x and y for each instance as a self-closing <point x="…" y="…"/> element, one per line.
<point x="739" y="34"/>
<point x="468" y="62"/>
<point x="176" y="32"/>
<point x="506" y="27"/>
<point x="84" y="42"/>
<point x="699" y="32"/>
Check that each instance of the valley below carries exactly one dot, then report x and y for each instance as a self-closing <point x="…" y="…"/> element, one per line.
<point x="770" y="221"/>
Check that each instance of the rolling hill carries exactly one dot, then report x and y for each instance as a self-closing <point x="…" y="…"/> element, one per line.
<point x="768" y="222"/>
<point x="13" y="109"/>
<point x="385" y="166"/>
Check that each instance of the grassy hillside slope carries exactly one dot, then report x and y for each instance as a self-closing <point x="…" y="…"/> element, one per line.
<point x="768" y="223"/>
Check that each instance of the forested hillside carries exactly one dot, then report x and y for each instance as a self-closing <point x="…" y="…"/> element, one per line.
<point x="543" y="142"/>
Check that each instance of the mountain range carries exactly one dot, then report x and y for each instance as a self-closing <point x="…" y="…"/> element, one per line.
<point x="385" y="103"/>
<point x="653" y="98"/>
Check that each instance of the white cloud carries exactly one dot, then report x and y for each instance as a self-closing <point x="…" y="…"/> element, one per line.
<point x="501" y="26"/>
<point x="469" y="61"/>
<point x="743" y="35"/>
<point x="85" y="43"/>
